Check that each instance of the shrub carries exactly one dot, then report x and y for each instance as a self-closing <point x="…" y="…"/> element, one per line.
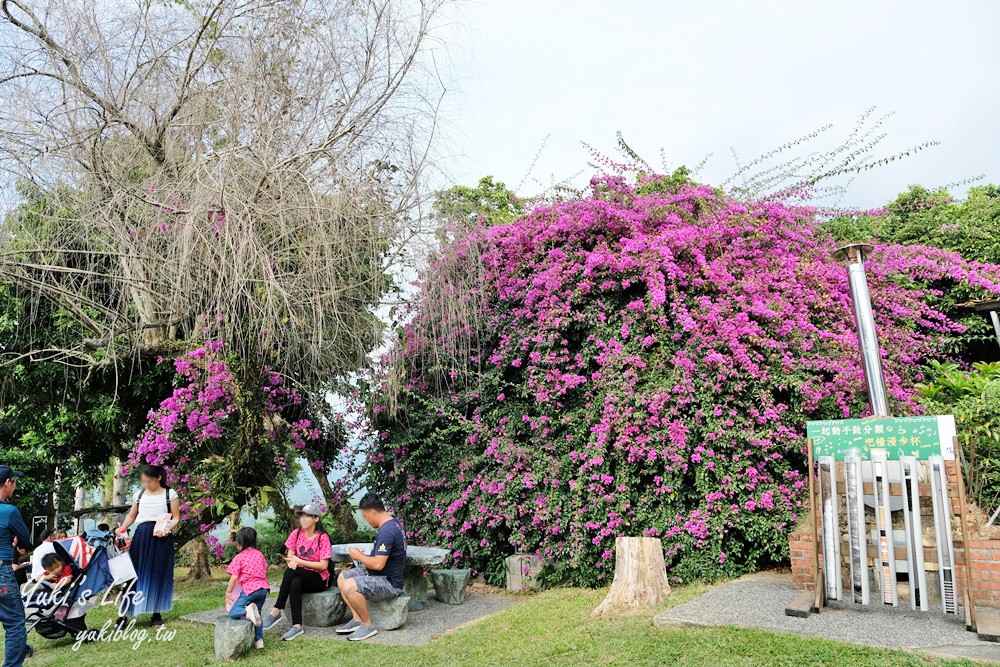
<point x="973" y="396"/>
<point x="638" y="362"/>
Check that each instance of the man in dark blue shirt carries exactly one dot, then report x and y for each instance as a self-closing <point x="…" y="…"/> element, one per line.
<point x="13" y="533"/>
<point x="380" y="576"/>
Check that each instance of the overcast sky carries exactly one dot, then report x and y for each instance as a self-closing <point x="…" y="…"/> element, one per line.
<point x="696" y="78"/>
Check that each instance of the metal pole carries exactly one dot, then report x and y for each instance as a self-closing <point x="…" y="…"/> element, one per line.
<point x="996" y="323"/>
<point x="831" y="527"/>
<point x="883" y="526"/>
<point x="941" y="504"/>
<point x="871" y="357"/>
<point x="856" y="526"/>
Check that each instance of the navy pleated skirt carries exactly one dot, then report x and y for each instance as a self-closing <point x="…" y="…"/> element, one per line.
<point x="153" y="557"/>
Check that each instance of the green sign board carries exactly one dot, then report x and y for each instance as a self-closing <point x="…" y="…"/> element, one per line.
<point x="919" y="437"/>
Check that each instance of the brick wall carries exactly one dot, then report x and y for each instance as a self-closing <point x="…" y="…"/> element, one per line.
<point x="800" y="545"/>
<point x="985" y="554"/>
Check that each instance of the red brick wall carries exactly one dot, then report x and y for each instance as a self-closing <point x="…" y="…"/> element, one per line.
<point x="985" y="554"/>
<point x="800" y="544"/>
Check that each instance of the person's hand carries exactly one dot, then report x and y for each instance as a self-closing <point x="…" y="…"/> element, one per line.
<point x="292" y="561"/>
<point x="121" y="530"/>
<point x="158" y="533"/>
<point x="13" y="541"/>
<point x="355" y="553"/>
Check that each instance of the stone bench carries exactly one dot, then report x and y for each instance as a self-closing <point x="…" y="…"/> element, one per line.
<point x="233" y="638"/>
<point x="449" y="585"/>
<point x="321" y="610"/>
<point x="389" y="614"/>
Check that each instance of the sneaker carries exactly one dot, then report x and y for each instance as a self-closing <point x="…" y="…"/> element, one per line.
<point x="292" y="633"/>
<point x="349" y="627"/>
<point x="270" y="620"/>
<point x="253" y="615"/>
<point x="363" y="632"/>
<point x="259" y="643"/>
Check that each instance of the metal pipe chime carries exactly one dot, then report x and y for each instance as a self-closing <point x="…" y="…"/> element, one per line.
<point x="914" y="533"/>
<point x="856" y="526"/>
<point x="942" y="529"/>
<point x="831" y="527"/>
<point x="883" y="527"/>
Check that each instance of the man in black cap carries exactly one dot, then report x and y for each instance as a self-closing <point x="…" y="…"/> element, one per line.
<point x="13" y="533"/>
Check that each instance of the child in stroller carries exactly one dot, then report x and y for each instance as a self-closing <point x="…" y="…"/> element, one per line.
<point x="79" y="574"/>
<point x="57" y="573"/>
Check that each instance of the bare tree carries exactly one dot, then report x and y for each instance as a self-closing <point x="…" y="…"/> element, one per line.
<point x="248" y="169"/>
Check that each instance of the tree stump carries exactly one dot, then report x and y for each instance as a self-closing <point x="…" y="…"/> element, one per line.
<point x="640" y="581"/>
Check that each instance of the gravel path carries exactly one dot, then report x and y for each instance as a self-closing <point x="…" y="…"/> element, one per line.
<point x="420" y="627"/>
<point x="759" y="601"/>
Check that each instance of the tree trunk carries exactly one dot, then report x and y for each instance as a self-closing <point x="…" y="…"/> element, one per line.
<point x="234" y="525"/>
<point x="57" y="482"/>
<point x="118" y="482"/>
<point x="283" y="516"/>
<point x="342" y="512"/>
<point x="640" y="578"/>
<point x="200" y="569"/>
<point x="80" y="499"/>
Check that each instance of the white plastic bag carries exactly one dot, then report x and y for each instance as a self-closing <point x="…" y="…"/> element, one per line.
<point x="121" y="568"/>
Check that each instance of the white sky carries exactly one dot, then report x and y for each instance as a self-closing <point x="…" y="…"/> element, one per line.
<point x="700" y="77"/>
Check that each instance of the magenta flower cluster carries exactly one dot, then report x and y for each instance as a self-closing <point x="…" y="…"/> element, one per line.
<point x="187" y="435"/>
<point x="643" y="364"/>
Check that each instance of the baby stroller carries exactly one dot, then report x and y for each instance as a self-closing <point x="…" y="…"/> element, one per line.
<point x="53" y="614"/>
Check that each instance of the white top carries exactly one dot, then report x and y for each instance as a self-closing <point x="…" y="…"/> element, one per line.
<point x="36" y="558"/>
<point x="152" y="505"/>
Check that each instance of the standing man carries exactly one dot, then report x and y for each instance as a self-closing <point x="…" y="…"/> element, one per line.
<point x="380" y="576"/>
<point x="13" y="533"/>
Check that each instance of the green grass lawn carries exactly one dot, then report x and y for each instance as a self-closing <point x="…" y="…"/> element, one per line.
<point x="551" y="628"/>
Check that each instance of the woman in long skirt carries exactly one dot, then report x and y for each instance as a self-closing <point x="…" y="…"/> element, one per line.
<point x="152" y="549"/>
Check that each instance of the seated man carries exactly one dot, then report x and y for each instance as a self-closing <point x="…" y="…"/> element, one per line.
<point x="380" y="576"/>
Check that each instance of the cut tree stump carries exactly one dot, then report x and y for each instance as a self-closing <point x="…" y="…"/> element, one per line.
<point x="640" y="581"/>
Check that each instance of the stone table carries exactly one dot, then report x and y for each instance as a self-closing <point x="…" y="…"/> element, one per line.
<point x="418" y="559"/>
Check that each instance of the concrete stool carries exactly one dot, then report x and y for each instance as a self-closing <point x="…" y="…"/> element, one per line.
<point x="449" y="585"/>
<point x="321" y="610"/>
<point x="389" y="614"/>
<point x="233" y="637"/>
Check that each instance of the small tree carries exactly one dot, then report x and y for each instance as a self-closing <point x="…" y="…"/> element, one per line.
<point x="244" y="168"/>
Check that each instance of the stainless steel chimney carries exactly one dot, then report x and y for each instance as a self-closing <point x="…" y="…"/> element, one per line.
<point x="871" y="356"/>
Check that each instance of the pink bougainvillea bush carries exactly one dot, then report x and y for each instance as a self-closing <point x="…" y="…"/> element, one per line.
<point x="639" y="362"/>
